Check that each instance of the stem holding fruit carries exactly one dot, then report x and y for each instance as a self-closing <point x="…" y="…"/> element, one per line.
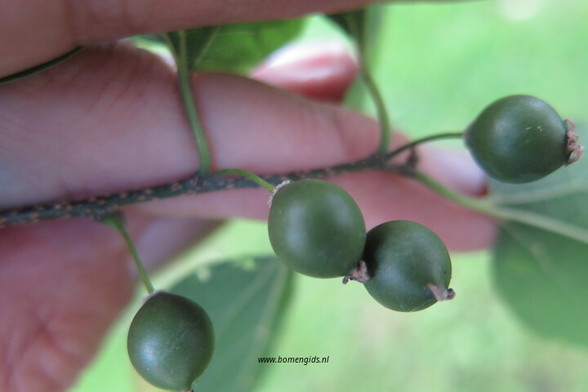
<point x="248" y="175"/>
<point x="117" y="222"/>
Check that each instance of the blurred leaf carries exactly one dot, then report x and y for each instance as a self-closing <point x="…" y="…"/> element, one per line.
<point x="227" y="48"/>
<point x="355" y="24"/>
<point x="189" y="46"/>
<point x="155" y="39"/>
<point x="363" y="26"/>
<point x="246" y="302"/>
<point x="543" y="276"/>
<point x="238" y="47"/>
<point x="151" y="42"/>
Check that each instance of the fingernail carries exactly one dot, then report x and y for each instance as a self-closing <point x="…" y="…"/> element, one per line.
<point x="306" y="60"/>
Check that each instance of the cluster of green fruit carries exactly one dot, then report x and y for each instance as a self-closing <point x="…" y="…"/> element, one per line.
<point x="317" y="229"/>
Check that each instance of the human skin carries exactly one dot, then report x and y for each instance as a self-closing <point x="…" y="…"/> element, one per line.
<point x="110" y="119"/>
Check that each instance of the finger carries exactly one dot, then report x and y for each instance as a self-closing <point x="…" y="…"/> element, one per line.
<point x="57" y="314"/>
<point x="34" y="33"/>
<point x="63" y="284"/>
<point x="65" y="124"/>
<point x="111" y="120"/>
<point x="322" y="135"/>
<point x="318" y="70"/>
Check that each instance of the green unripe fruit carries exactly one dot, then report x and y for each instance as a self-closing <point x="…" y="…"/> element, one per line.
<point x="316" y="228"/>
<point x="170" y="341"/>
<point x="521" y="138"/>
<point x="408" y="266"/>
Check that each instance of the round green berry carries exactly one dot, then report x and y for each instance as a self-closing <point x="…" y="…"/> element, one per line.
<point x="408" y="265"/>
<point x="170" y="341"/>
<point x="316" y="228"/>
<point x="520" y="138"/>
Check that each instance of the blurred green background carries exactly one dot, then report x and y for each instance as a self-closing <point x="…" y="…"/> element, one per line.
<point x="439" y="65"/>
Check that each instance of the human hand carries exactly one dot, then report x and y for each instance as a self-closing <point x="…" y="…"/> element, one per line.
<point x="110" y="119"/>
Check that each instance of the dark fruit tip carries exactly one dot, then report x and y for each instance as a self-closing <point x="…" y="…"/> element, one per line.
<point x="359" y="274"/>
<point x="440" y="294"/>
<point x="574" y="148"/>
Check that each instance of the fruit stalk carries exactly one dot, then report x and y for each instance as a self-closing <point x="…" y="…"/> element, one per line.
<point x="117" y="222"/>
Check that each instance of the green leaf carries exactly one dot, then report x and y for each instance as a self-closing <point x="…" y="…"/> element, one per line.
<point x="229" y="48"/>
<point x="156" y="43"/>
<point x="246" y="302"/>
<point x="354" y="23"/>
<point x="238" y="47"/>
<point x="542" y="274"/>
<point x="189" y="46"/>
<point x="154" y="39"/>
<point x="39" y="68"/>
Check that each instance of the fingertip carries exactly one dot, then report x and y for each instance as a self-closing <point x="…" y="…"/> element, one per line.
<point x="317" y="70"/>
